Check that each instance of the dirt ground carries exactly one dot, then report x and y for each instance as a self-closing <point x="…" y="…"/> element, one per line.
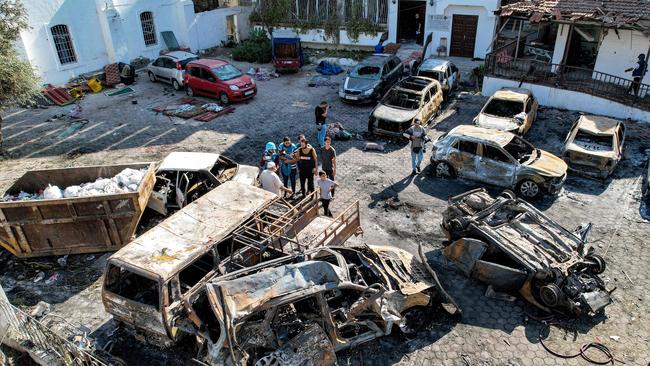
<point x="397" y="209"/>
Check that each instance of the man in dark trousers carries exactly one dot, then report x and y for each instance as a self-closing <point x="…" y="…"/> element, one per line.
<point x="328" y="160"/>
<point x="321" y="115"/>
<point x="638" y="71"/>
<point x="305" y="155"/>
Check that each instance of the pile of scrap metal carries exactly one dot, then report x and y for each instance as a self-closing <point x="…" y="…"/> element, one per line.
<point x="511" y="245"/>
<point x="302" y="309"/>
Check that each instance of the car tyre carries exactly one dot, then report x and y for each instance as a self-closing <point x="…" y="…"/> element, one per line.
<point x="152" y="77"/>
<point x="223" y="97"/>
<point x="189" y="91"/>
<point x="508" y="194"/>
<point x="528" y="189"/>
<point x="444" y="170"/>
<point x="176" y="85"/>
<point x="599" y="263"/>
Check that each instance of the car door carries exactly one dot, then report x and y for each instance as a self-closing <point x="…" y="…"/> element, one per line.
<point x="157" y="67"/>
<point x="426" y="109"/>
<point x="453" y="76"/>
<point x="396" y="69"/>
<point x="168" y="69"/>
<point x="463" y="156"/>
<point x="620" y="139"/>
<point x="209" y="82"/>
<point x="496" y="167"/>
<point x="436" y="98"/>
<point x="531" y="111"/>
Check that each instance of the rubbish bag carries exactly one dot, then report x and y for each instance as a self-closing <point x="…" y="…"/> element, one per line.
<point x="327" y="68"/>
<point x="52" y="192"/>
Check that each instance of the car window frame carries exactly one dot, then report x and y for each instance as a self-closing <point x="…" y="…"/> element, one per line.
<point x="528" y="107"/>
<point x="460" y="140"/>
<point x="170" y="62"/>
<point x="209" y="74"/>
<point x="484" y="148"/>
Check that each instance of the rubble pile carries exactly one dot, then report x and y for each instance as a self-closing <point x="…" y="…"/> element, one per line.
<point x="124" y="182"/>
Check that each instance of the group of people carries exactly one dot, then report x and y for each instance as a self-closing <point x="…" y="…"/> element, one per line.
<point x="286" y="163"/>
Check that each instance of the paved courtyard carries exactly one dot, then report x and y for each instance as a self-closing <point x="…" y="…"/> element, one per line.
<point x="397" y="209"/>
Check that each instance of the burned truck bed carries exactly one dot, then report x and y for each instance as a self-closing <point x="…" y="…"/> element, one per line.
<point x="511" y="245"/>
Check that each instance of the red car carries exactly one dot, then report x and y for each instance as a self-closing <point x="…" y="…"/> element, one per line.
<point x="218" y="79"/>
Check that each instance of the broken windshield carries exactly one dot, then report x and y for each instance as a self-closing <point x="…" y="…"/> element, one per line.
<point x="520" y="149"/>
<point x="503" y="108"/>
<point x="436" y="75"/>
<point x="226" y="72"/>
<point x="402" y="99"/>
<point x="366" y="72"/>
<point x="592" y="142"/>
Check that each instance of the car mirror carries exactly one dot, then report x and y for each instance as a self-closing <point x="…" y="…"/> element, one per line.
<point x="211" y="79"/>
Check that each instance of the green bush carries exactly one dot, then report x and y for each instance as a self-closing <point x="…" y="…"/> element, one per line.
<point x="255" y="49"/>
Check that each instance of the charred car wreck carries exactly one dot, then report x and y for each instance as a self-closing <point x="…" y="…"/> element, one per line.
<point x="511" y="245"/>
<point x="304" y="308"/>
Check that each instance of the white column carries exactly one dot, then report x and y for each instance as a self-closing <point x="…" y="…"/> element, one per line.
<point x="392" y="20"/>
<point x="105" y="29"/>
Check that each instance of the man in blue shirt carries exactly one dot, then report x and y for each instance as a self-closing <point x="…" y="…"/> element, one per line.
<point x="379" y="48"/>
<point x="288" y="166"/>
<point x="638" y="71"/>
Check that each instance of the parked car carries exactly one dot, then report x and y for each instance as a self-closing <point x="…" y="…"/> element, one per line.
<point x="371" y="78"/>
<point x="594" y="146"/>
<point x="170" y="68"/>
<point x="509" y="244"/>
<point x="218" y="79"/>
<point x="499" y="158"/>
<point x="444" y="71"/>
<point x="183" y="177"/>
<point x="509" y="109"/>
<point x="287" y="54"/>
<point x="411" y="98"/>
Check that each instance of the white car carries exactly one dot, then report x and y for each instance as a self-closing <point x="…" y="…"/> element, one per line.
<point x="444" y="71"/>
<point x="170" y="68"/>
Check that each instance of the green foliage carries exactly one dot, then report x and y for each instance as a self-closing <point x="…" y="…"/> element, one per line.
<point x="255" y="49"/>
<point x="357" y="27"/>
<point x="270" y="13"/>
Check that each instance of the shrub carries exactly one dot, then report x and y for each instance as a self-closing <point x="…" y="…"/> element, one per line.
<point x="255" y="49"/>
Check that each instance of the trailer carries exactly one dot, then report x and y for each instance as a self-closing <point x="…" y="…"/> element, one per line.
<point x="75" y="225"/>
<point x="287" y="54"/>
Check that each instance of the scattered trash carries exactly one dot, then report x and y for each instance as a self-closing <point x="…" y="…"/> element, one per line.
<point x="373" y="146"/>
<point x="212" y="107"/>
<point x="90" y="258"/>
<point x="615" y="338"/>
<point x="75" y="126"/>
<point x="53" y="278"/>
<point x="134" y="102"/>
<point x="75" y="112"/>
<point x="63" y="261"/>
<point x="39" y="276"/>
<point x="122" y="91"/>
<point x="40" y="309"/>
<point x="52" y="192"/>
<point x="300" y="104"/>
<point x="328" y="68"/>
<point x="59" y="96"/>
<point x="320" y="80"/>
<point x="261" y="74"/>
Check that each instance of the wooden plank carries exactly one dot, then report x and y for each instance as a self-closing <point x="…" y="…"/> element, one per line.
<point x="71" y="219"/>
<point x="117" y="240"/>
<point x="22" y="240"/>
<point x="13" y="243"/>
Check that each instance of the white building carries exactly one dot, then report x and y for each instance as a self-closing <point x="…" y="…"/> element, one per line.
<point x="462" y="27"/>
<point x="71" y="37"/>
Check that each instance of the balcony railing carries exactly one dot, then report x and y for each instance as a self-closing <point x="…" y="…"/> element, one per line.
<point x="501" y="64"/>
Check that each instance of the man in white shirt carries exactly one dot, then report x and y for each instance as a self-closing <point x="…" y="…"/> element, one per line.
<point x="271" y="181"/>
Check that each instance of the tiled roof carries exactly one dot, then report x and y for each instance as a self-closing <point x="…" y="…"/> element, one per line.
<point x="611" y="12"/>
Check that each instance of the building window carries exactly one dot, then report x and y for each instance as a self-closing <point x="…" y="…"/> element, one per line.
<point x="207" y="5"/>
<point x="148" y="28"/>
<point x="63" y="44"/>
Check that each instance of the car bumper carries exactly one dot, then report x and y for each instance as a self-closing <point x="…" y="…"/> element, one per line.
<point x="356" y="98"/>
<point x="240" y="95"/>
<point x="555" y="185"/>
<point x="390" y="128"/>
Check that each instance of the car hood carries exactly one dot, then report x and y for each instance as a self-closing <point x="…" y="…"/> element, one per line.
<point x="498" y="123"/>
<point x="239" y="81"/>
<point x="394" y="114"/>
<point x="358" y="84"/>
<point x="549" y="164"/>
<point x="246" y="174"/>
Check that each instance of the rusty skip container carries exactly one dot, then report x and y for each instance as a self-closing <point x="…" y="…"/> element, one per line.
<point x="73" y="225"/>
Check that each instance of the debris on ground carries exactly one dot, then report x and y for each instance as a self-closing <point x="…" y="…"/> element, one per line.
<point x="328" y="68"/>
<point x="40" y="309"/>
<point x="321" y="80"/>
<point x="373" y="146"/>
<point x="262" y="74"/>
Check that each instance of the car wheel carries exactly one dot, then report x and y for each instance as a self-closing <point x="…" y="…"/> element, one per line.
<point x="152" y="77"/>
<point x="528" y="189"/>
<point x="223" y="97"/>
<point x="599" y="265"/>
<point x="550" y="295"/>
<point x="444" y="170"/>
<point x="189" y="91"/>
<point x="508" y="194"/>
<point x="176" y="85"/>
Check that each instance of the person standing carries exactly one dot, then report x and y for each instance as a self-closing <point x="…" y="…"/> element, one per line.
<point x="269" y="155"/>
<point x="306" y="158"/>
<point x="271" y="182"/>
<point x="321" y="116"/>
<point x="418" y="29"/>
<point x="288" y="166"/>
<point x="419" y="138"/>
<point x="328" y="160"/>
<point x="638" y="71"/>
<point x="326" y="186"/>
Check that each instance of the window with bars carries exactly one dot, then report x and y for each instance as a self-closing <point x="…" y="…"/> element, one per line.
<point x="148" y="28"/>
<point x="63" y="44"/>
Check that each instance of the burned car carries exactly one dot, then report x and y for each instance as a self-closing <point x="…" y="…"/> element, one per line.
<point x="509" y="109"/>
<point x="304" y="308"/>
<point x="512" y="246"/>
<point x="182" y="177"/>
<point x="499" y="158"/>
<point x="411" y="98"/>
<point x="594" y="146"/>
<point x="442" y="70"/>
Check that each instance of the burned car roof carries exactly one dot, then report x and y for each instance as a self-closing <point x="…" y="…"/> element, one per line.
<point x="498" y="137"/>
<point x="518" y="94"/>
<point x="169" y="246"/>
<point x="434" y="64"/>
<point x="188" y="161"/>
<point x="414" y="84"/>
<point x="598" y="124"/>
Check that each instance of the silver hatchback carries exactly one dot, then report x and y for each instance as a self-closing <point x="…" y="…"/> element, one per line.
<point x="170" y="68"/>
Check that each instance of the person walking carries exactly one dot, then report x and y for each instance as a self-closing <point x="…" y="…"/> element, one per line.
<point x="328" y="160"/>
<point x="288" y="166"/>
<point x="638" y="71"/>
<point x="326" y="186"/>
<point x="271" y="182"/>
<point x="321" y="116"/>
<point x="305" y="155"/>
<point x="419" y="138"/>
<point x="269" y="155"/>
<point x="418" y="29"/>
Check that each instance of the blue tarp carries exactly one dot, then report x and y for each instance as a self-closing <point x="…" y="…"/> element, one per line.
<point x="327" y="68"/>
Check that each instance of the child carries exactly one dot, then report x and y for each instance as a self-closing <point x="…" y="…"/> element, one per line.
<point x="326" y="186"/>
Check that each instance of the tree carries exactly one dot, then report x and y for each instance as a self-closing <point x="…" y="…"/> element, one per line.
<point x="18" y="81"/>
<point x="270" y="13"/>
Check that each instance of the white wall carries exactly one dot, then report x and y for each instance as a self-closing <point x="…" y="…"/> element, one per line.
<point x="485" y="27"/>
<point x="560" y="42"/>
<point x="318" y="36"/>
<point x="617" y="54"/>
<point x="566" y="99"/>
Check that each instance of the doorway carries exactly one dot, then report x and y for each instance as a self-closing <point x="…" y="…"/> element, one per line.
<point x="463" y="35"/>
<point x="583" y="47"/>
<point x="231" y="29"/>
<point x="406" y="21"/>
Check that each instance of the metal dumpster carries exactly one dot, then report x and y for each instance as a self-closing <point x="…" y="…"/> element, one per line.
<point x="72" y="225"/>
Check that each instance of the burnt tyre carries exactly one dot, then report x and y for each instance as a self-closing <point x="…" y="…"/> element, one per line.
<point x="528" y="189"/>
<point x="444" y="170"/>
<point x="598" y="265"/>
<point x="508" y="194"/>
